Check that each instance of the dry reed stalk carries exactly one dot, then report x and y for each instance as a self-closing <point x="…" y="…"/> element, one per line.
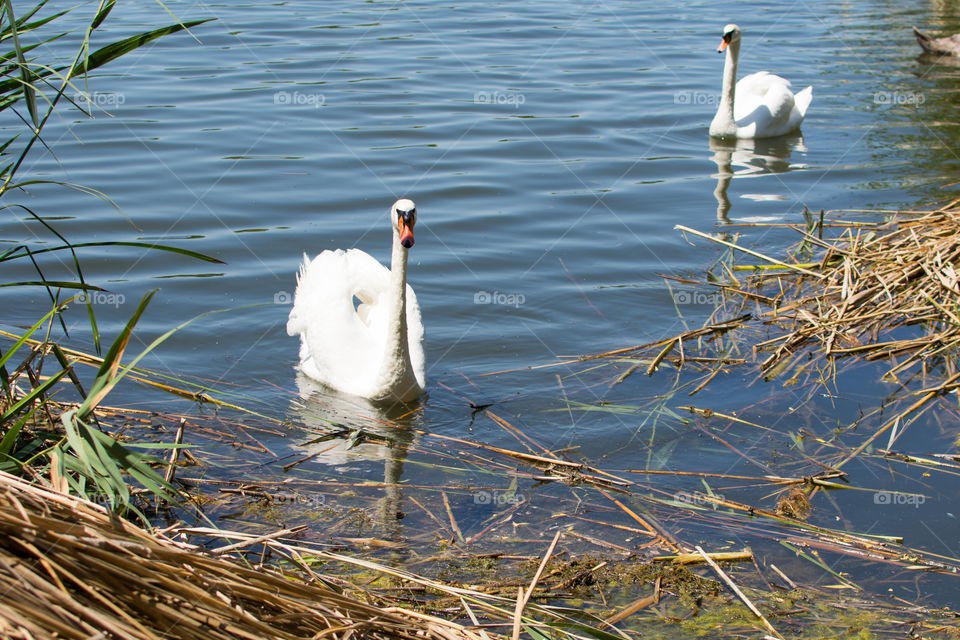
<point x="523" y="597"/>
<point x="880" y="291"/>
<point x="70" y="570"/>
<point x="733" y="586"/>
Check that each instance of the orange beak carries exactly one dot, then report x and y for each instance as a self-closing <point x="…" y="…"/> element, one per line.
<point x="724" y="41"/>
<point x="406" y="233"/>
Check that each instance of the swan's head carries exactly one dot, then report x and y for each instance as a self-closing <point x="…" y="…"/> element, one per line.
<point x="404" y="215"/>
<point x="731" y="34"/>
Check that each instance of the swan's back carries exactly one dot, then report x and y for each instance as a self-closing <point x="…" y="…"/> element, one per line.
<point x="946" y="46"/>
<point x="343" y="341"/>
<point x="766" y="106"/>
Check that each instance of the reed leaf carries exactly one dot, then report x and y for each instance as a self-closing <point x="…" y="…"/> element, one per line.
<point x="12" y="434"/>
<point x="113" y="51"/>
<point x="34" y="394"/>
<point x="60" y="284"/>
<point x="142" y="245"/>
<point x="102" y="14"/>
<point x="83" y="458"/>
<point x="107" y="374"/>
<point x="25" y="74"/>
<point x="19" y="343"/>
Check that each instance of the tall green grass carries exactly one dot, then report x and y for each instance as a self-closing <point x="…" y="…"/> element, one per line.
<point x="58" y="443"/>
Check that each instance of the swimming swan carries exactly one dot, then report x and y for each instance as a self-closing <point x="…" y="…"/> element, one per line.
<point x="374" y="349"/>
<point x="761" y="105"/>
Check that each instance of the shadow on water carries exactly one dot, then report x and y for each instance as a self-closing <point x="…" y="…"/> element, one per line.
<point x="752" y="159"/>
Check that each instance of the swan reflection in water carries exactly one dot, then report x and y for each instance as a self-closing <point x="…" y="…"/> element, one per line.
<point x="370" y="434"/>
<point x="753" y="159"/>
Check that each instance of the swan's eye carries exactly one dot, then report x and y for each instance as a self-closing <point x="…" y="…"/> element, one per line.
<point x="409" y="217"/>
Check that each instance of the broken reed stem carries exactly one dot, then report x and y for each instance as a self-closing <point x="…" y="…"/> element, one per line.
<point x="896" y="419"/>
<point x="453" y="520"/>
<point x="632" y="608"/>
<point x="749" y="251"/>
<point x="517" y="615"/>
<point x="252" y="541"/>
<point x="730" y="583"/>
<point x="523" y="597"/>
<point x="174" y="453"/>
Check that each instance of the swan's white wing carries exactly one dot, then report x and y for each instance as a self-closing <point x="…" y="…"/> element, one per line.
<point x="763" y="90"/>
<point x="765" y="106"/>
<point x="337" y="347"/>
<point x="755" y="85"/>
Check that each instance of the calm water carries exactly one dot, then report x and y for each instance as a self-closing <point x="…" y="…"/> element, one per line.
<point x="550" y="148"/>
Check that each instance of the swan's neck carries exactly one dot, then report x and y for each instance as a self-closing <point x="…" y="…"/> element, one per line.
<point x="723" y="123"/>
<point x="396" y="365"/>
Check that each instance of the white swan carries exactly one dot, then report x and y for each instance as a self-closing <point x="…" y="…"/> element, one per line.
<point x="375" y="350"/>
<point x="761" y="105"/>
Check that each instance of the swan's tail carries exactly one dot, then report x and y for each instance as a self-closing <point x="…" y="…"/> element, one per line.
<point x="925" y="41"/>
<point x="303" y="268"/>
<point x="296" y="322"/>
<point x="802" y="100"/>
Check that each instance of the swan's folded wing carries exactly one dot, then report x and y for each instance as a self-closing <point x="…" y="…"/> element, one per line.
<point x="327" y="284"/>
<point x="343" y="345"/>
<point x="764" y="104"/>
<point x="336" y="344"/>
<point x="756" y="85"/>
<point x="779" y="102"/>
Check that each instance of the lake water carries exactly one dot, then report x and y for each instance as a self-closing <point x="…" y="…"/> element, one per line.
<point x="550" y="148"/>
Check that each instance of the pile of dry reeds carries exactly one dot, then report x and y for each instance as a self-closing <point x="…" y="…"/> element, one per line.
<point x="70" y="570"/>
<point x="866" y="288"/>
<point x="853" y="290"/>
<point x="875" y="290"/>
